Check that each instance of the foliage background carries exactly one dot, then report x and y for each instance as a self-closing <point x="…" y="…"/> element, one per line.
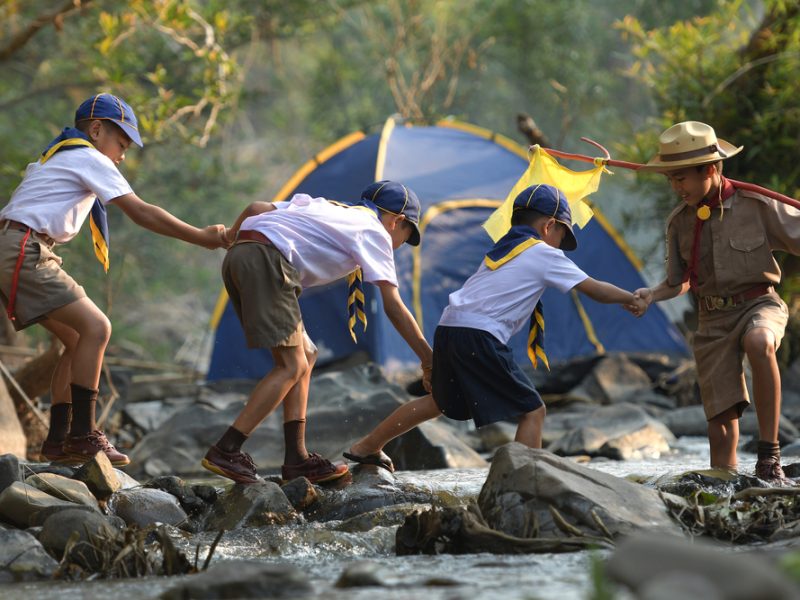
<point x="234" y="95"/>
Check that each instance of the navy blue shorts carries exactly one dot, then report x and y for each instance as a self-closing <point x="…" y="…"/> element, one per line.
<point x="475" y="377"/>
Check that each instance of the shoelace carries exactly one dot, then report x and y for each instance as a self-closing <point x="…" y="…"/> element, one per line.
<point x="247" y="460"/>
<point x="98" y="438"/>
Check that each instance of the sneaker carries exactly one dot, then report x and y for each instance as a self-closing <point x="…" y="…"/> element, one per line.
<point x="315" y="468"/>
<point x="82" y="448"/>
<point x="54" y="452"/>
<point x="769" y="469"/>
<point x="238" y="466"/>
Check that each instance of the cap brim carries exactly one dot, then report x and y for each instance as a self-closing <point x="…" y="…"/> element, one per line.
<point x="414" y="238"/>
<point x="569" y="242"/>
<point x="131" y="132"/>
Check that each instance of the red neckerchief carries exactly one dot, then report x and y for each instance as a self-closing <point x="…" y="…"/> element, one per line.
<point x="726" y="190"/>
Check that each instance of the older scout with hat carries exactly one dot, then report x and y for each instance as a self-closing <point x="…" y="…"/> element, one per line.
<point x="475" y="375"/>
<point x="76" y="177"/>
<point x="720" y="241"/>
<point x="280" y="249"/>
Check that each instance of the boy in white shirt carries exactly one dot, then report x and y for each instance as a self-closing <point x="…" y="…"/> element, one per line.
<point x="475" y="375"/>
<point x="282" y="248"/>
<point x="76" y="175"/>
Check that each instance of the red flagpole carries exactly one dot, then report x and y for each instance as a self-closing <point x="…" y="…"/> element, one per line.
<point x="607" y="160"/>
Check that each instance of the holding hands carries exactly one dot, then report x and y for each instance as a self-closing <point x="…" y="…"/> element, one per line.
<point x="642" y="299"/>
<point x="214" y="236"/>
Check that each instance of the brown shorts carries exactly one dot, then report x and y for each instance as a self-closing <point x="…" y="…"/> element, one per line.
<point x="718" y="349"/>
<point x="264" y="289"/>
<point x="43" y="285"/>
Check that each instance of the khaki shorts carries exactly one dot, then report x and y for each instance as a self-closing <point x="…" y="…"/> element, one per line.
<point x="264" y="289"/>
<point x="42" y="287"/>
<point x="719" y="354"/>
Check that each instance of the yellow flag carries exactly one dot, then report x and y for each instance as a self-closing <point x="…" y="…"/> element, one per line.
<point x="576" y="185"/>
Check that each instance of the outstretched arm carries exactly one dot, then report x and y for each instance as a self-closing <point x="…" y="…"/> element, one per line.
<point x="604" y="292"/>
<point x="158" y="220"/>
<point x="407" y="327"/>
<point x="663" y="291"/>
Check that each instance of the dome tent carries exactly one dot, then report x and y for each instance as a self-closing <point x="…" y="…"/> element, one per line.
<point x="461" y="173"/>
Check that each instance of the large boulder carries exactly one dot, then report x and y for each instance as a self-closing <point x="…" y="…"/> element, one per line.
<point x="621" y="431"/>
<point x="533" y="493"/>
<point x="250" y="505"/>
<point x="22" y="558"/>
<point x="87" y="527"/>
<point x="432" y="445"/>
<point x="19" y="502"/>
<point x="613" y="379"/>
<point x="12" y="436"/>
<point x="668" y="567"/>
<point x="64" y="488"/>
<point x="146" y="506"/>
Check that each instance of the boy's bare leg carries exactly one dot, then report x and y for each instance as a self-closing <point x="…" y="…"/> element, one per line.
<point x="290" y="367"/>
<point x="93" y="329"/>
<point x="759" y="345"/>
<point x="403" y="419"/>
<point x="529" y="429"/>
<point x="294" y="415"/>
<point x="723" y="436"/>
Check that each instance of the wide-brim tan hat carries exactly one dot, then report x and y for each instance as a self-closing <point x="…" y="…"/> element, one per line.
<point x="689" y="144"/>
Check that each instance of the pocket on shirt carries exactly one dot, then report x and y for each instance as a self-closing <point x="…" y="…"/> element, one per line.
<point x="749" y="255"/>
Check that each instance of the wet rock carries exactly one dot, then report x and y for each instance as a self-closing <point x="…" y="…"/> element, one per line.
<point x="648" y="563"/>
<point x="12" y="436"/>
<point x="242" y="579"/>
<point x="145" y="506"/>
<point x="22" y="558"/>
<point x="792" y="470"/>
<point x="64" y="488"/>
<point x="524" y="487"/>
<point x="386" y="516"/>
<point x="691" y="420"/>
<point x="613" y="379"/>
<point x="717" y="482"/>
<point x="371" y="488"/>
<point x="99" y="476"/>
<point x="40" y="517"/>
<point x="9" y="470"/>
<point x="621" y="432"/>
<point x="19" y="502"/>
<point x="432" y="445"/>
<point x="126" y="482"/>
<point x="301" y="493"/>
<point x="36" y="468"/>
<point x="497" y="434"/>
<point x="250" y="505"/>
<point x="207" y="493"/>
<point x="189" y="501"/>
<point x="89" y="527"/>
<point x="362" y="574"/>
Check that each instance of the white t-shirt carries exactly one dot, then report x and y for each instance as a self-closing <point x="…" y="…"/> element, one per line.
<point x="501" y="301"/>
<point x="326" y="242"/>
<point x="55" y="198"/>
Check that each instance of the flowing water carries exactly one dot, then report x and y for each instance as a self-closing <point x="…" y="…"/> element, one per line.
<point x="324" y="552"/>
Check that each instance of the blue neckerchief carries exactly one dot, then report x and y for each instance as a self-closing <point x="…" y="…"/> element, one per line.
<point x="518" y="239"/>
<point x="98" y="219"/>
<point x="356" y="309"/>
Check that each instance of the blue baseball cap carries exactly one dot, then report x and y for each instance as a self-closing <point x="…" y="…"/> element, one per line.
<point x="552" y="202"/>
<point x="111" y="108"/>
<point x="397" y="199"/>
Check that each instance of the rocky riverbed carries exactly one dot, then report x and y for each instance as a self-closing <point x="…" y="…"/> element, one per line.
<point x="611" y="505"/>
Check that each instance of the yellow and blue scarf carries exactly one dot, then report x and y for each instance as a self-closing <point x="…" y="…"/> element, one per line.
<point x="518" y="239"/>
<point x="356" y="310"/>
<point x="69" y="139"/>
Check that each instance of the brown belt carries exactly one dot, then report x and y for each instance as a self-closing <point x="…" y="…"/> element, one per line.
<point x="720" y="302"/>
<point x="248" y="235"/>
<point x="6" y="223"/>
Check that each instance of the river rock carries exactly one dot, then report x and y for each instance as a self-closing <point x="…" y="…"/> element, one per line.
<point x="648" y="564"/>
<point x="250" y="505"/>
<point x="189" y="501"/>
<point x="362" y="574"/>
<point x="99" y="476"/>
<point x="385" y="516"/>
<point x="20" y="501"/>
<point x="622" y="431"/>
<point x="301" y="493"/>
<point x="614" y="379"/>
<point x="64" y="488"/>
<point x="691" y="420"/>
<point x="89" y="526"/>
<point x="9" y="470"/>
<point x="40" y="517"/>
<point x="432" y="445"/>
<point x="242" y="579"/>
<point x="36" y="468"/>
<point x="524" y="483"/>
<point x="22" y="558"/>
<point x="12" y="436"/>
<point x="145" y="506"/>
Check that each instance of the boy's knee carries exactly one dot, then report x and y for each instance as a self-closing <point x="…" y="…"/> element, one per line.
<point x="99" y="330"/>
<point x="759" y="343"/>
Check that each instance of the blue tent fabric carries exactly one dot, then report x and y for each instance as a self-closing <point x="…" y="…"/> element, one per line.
<point x="460" y="173"/>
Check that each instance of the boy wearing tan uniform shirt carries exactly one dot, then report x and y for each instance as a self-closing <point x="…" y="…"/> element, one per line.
<point x="720" y="241"/>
